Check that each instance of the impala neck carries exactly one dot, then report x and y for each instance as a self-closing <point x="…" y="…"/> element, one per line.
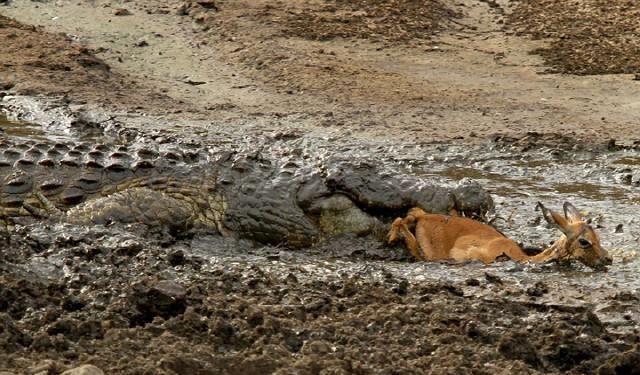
<point x="557" y="250"/>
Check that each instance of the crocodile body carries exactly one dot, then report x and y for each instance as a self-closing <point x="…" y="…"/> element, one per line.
<point x="269" y="197"/>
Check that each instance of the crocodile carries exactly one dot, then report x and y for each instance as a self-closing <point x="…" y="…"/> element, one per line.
<point x="285" y="196"/>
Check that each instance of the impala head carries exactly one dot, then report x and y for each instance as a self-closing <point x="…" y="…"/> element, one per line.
<point x="579" y="241"/>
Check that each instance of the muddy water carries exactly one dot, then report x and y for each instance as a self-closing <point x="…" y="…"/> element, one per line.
<point x="26" y="118"/>
<point x="600" y="183"/>
<point x="26" y="130"/>
<point x="595" y="181"/>
<point x="20" y="129"/>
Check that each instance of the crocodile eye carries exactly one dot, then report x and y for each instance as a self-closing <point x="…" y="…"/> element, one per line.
<point x="584" y="243"/>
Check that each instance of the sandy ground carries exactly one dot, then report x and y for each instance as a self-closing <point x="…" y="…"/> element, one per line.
<point x="466" y="76"/>
<point x="391" y="71"/>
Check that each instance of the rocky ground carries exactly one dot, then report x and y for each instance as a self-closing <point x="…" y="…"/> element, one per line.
<point x="131" y="308"/>
<point x="390" y="71"/>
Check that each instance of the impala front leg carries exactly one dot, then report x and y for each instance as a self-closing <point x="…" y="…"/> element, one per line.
<point x="400" y="228"/>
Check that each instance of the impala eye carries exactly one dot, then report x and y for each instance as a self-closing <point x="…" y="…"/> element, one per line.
<point x="584" y="243"/>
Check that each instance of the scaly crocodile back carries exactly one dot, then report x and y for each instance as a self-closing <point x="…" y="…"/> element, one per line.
<point x="69" y="173"/>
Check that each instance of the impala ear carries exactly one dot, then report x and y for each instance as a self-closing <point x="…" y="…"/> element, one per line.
<point x="571" y="213"/>
<point x="554" y="218"/>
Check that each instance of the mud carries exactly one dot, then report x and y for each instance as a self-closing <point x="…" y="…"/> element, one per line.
<point x="401" y="21"/>
<point x="128" y="305"/>
<point x="462" y="100"/>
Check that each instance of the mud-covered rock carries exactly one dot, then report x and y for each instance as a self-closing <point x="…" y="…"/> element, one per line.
<point x="538" y="289"/>
<point x="73" y="303"/>
<point x="176" y="258"/>
<point x="12" y="338"/>
<point x="514" y="345"/>
<point x="622" y="363"/>
<point x="165" y="299"/>
<point x="84" y="370"/>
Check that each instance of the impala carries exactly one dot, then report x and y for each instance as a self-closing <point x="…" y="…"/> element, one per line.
<point x="440" y="237"/>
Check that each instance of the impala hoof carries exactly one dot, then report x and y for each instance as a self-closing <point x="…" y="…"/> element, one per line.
<point x="394" y="232"/>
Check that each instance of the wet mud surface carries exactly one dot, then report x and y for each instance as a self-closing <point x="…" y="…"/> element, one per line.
<point x="193" y="308"/>
<point x="451" y="96"/>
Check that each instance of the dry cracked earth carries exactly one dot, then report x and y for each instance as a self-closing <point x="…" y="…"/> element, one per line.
<point x="392" y="71"/>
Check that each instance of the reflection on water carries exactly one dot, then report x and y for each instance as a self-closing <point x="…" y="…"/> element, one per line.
<point x="20" y="129"/>
<point x="496" y="182"/>
<point x="628" y="160"/>
<point x="592" y="191"/>
<point x="31" y="131"/>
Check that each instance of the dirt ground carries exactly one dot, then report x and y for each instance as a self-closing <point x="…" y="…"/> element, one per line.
<point x="407" y="69"/>
<point x="39" y="63"/>
<point x="130" y="308"/>
<point x="426" y="71"/>
<point x="586" y="37"/>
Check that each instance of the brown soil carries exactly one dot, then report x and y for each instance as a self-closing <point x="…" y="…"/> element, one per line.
<point x="311" y="66"/>
<point x="36" y="62"/>
<point x="279" y="313"/>
<point x="586" y="37"/>
<point x="378" y="21"/>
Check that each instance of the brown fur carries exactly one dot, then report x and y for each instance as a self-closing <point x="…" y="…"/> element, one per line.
<point x="439" y="237"/>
